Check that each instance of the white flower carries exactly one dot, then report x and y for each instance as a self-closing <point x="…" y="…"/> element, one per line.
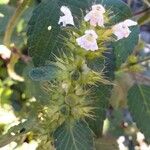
<point x="121" y="139"/>
<point x="96" y="16"/>
<point x="144" y="146"/>
<point x="140" y="137"/>
<point x="67" y="18"/>
<point x="7" y="116"/>
<point x="147" y="48"/>
<point x="31" y="145"/>
<point x="88" y="41"/>
<point x="120" y="142"/>
<point x="5" y="52"/>
<point x="1" y="15"/>
<point x="121" y="30"/>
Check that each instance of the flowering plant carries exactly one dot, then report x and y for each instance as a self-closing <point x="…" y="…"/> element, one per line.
<point x="76" y="47"/>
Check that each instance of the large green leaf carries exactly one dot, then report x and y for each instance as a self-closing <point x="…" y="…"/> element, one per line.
<point x="42" y="42"/>
<point x="139" y="105"/>
<point x="124" y="47"/>
<point x="73" y="136"/>
<point x="120" y="11"/>
<point x="101" y="101"/>
<point x="101" y="93"/>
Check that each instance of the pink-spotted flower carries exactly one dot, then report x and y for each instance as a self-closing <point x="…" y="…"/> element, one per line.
<point x="96" y="16"/>
<point x="121" y="30"/>
<point x="88" y="41"/>
<point x="67" y="18"/>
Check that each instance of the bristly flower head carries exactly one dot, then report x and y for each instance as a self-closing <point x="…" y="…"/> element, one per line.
<point x="67" y="18"/>
<point x="121" y="30"/>
<point x="88" y="41"/>
<point x="96" y="16"/>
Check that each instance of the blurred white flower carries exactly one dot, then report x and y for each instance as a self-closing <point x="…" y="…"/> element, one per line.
<point x="130" y="23"/>
<point x="10" y="146"/>
<point x="25" y="146"/>
<point x="7" y="116"/>
<point x="147" y="48"/>
<point x="121" y="30"/>
<point x="96" y="16"/>
<point x="121" y="139"/>
<point x="31" y="146"/>
<point x="1" y="15"/>
<point x="144" y="146"/>
<point x="121" y="144"/>
<point x="88" y="41"/>
<point x="140" y="137"/>
<point x="67" y="18"/>
<point x="5" y="52"/>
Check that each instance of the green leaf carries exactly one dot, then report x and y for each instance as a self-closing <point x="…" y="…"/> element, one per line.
<point x="112" y="125"/>
<point x="101" y="101"/>
<point x="124" y="47"/>
<point x="42" y="42"/>
<point x="45" y="73"/>
<point x="120" y="10"/>
<point x="73" y="136"/>
<point x="139" y="105"/>
<point x="34" y="88"/>
<point x="101" y="92"/>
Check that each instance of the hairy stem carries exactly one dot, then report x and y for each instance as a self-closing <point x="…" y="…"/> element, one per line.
<point x="14" y="20"/>
<point x="7" y="38"/>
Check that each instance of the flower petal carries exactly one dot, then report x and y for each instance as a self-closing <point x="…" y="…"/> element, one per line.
<point x="99" y="8"/>
<point x="67" y="18"/>
<point x="88" y="41"/>
<point x="65" y="10"/>
<point x="92" y="33"/>
<point x="121" y="30"/>
<point x="129" y="22"/>
<point x="96" y="16"/>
